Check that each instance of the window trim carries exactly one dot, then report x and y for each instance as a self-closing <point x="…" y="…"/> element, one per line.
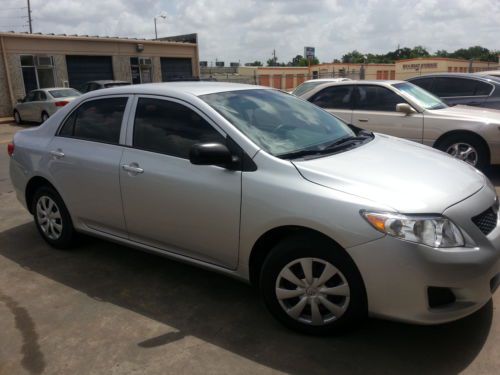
<point x="355" y="101"/>
<point x="129" y="137"/>
<point x="36" y="67"/>
<point x="123" y="126"/>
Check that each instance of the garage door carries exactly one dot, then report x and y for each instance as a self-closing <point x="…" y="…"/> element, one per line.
<point x="174" y="69"/>
<point x="82" y="69"/>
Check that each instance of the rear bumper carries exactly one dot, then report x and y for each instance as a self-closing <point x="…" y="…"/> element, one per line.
<point x="398" y="274"/>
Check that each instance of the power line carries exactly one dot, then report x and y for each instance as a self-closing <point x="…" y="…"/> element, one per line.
<point x="5" y="9"/>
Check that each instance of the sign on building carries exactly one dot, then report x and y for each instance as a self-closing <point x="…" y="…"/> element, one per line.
<point x="309" y="52"/>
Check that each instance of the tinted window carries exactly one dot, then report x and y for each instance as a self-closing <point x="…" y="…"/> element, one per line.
<point x="40" y="96"/>
<point x="334" y="97"/>
<point x="483" y="88"/>
<point x="424" y="83"/>
<point x="170" y="128"/>
<point x="30" y="97"/>
<point x="377" y="98"/>
<point x="96" y="120"/>
<point x="446" y="86"/>
<point x="64" y="93"/>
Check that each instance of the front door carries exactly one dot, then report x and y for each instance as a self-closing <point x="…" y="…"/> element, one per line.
<point x="168" y="202"/>
<point x="375" y="110"/>
<point x="84" y="166"/>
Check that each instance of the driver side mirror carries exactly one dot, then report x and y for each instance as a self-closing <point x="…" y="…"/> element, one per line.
<point x="212" y="154"/>
<point x="405" y="108"/>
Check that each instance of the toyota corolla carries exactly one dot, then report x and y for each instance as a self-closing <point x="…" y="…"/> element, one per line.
<point x="330" y="222"/>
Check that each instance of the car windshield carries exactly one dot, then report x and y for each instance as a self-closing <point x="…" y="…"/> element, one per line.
<point x="305" y="87"/>
<point x="278" y="122"/>
<point x="116" y="84"/>
<point x="64" y="93"/>
<point x="423" y="98"/>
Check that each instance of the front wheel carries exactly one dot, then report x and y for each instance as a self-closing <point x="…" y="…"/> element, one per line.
<point x="466" y="148"/>
<point x="17" y="118"/>
<point x="52" y="218"/>
<point x="313" y="287"/>
<point x="45" y="117"/>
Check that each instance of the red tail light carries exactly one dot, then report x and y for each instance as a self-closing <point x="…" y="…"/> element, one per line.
<point x="61" y="103"/>
<point x="10" y="148"/>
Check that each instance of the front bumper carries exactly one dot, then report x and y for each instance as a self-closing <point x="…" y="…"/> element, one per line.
<point x="398" y="274"/>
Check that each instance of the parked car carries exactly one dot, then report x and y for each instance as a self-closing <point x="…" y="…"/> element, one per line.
<point x="103" y="84"/>
<point x="491" y="73"/>
<point x="404" y="110"/>
<point x="40" y="104"/>
<point x="312" y="83"/>
<point x="462" y="88"/>
<point x="331" y="224"/>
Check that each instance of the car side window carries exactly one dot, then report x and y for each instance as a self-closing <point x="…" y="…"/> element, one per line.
<point x="170" y="128"/>
<point x="40" y="96"/>
<point x="425" y="83"/>
<point x="449" y="87"/>
<point x="376" y="98"/>
<point x="338" y="97"/>
<point x="483" y="88"/>
<point x="96" y="120"/>
<point x="30" y="97"/>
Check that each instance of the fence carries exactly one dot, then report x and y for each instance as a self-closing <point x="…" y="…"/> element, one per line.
<point x="284" y="81"/>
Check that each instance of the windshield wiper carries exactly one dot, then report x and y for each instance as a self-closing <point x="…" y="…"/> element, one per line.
<point x="340" y="144"/>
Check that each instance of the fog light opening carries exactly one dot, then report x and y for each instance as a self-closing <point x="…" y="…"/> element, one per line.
<point x="440" y="297"/>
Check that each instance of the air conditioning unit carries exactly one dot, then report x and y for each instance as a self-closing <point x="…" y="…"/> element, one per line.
<point x="145" y="61"/>
<point x="42" y="61"/>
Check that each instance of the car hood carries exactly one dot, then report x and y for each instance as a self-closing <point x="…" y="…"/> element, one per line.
<point x="407" y="176"/>
<point x="469" y="113"/>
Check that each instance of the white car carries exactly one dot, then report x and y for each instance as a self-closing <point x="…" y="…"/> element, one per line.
<point x="405" y="110"/>
<point x="493" y="73"/>
<point x="312" y="83"/>
<point x="39" y="105"/>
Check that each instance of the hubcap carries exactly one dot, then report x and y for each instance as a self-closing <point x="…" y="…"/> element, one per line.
<point x="312" y="291"/>
<point x="49" y="217"/>
<point x="463" y="151"/>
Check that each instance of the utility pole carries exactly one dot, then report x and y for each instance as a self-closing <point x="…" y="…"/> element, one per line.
<point x="274" y="57"/>
<point x="29" y="17"/>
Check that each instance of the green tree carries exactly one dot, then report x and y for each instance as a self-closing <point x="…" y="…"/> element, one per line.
<point x="353" y="57"/>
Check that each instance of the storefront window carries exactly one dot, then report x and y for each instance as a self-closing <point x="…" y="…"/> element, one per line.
<point x="38" y="72"/>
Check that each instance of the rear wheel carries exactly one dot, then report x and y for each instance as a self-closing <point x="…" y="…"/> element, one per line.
<point x="467" y="148"/>
<point x="312" y="286"/>
<point x="45" y="117"/>
<point x="17" y="117"/>
<point x="52" y="218"/>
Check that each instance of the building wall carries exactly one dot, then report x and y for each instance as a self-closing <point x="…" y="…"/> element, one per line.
<point x="59" y="46"/>
<point x="414" y="67"/>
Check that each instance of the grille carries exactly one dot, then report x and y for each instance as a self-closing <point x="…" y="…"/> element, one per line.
<point x="486" y="221"/>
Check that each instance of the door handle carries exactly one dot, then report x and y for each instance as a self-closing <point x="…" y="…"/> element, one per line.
<point x="57" y="153"/>
<point x="362" y="119"/>
<point x="132" y="168"/>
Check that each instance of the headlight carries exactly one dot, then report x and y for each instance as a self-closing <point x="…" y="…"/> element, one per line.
<point x="434" y="231"/>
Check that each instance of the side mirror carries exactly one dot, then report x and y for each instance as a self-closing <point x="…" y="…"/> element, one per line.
<point x="211" y="154"/>
<point x="404" y="108"/>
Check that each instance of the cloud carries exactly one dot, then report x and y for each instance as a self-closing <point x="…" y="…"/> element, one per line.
<point x="249" y="30"/>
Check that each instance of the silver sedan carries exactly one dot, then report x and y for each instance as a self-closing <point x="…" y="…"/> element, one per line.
<point x="39" y="105"/>
<point x="330" y="223"/>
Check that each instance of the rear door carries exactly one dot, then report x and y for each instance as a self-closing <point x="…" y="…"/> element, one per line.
<point x="337" y="100"/>
<point x="169" y="203"/>
<point x="85" y="157"/>
<point x="375" y="110"/>
<point x="25" y="108"/>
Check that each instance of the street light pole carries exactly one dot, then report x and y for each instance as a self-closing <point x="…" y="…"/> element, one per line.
<point x="156" y="30"/>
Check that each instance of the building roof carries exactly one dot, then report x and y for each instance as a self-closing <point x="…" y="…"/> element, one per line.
<point x="93" y="37"/>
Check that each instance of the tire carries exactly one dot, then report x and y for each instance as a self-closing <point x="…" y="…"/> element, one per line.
<point x="458" y="145"/>
<point x="348" y="300"/>
<point x="45" y="117"/>
<point x="17" y="118"/>
<point x="52" y="218"/>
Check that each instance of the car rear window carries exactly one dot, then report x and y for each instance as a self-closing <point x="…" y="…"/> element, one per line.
<point x="64" y="93"/>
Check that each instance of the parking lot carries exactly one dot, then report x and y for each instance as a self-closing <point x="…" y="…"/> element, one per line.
<point x="107" y="309"/>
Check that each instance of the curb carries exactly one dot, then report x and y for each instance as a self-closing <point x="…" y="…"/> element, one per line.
<point x="6" y="120"/>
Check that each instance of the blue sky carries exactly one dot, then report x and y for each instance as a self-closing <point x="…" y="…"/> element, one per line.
<point x="248" y="30"/>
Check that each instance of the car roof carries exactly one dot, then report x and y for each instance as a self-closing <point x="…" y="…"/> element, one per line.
<point x="195" y="88"/>
<point x="380" y="82"/>
<point x="479" y="77"/>
<point x="105" y="81"/>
